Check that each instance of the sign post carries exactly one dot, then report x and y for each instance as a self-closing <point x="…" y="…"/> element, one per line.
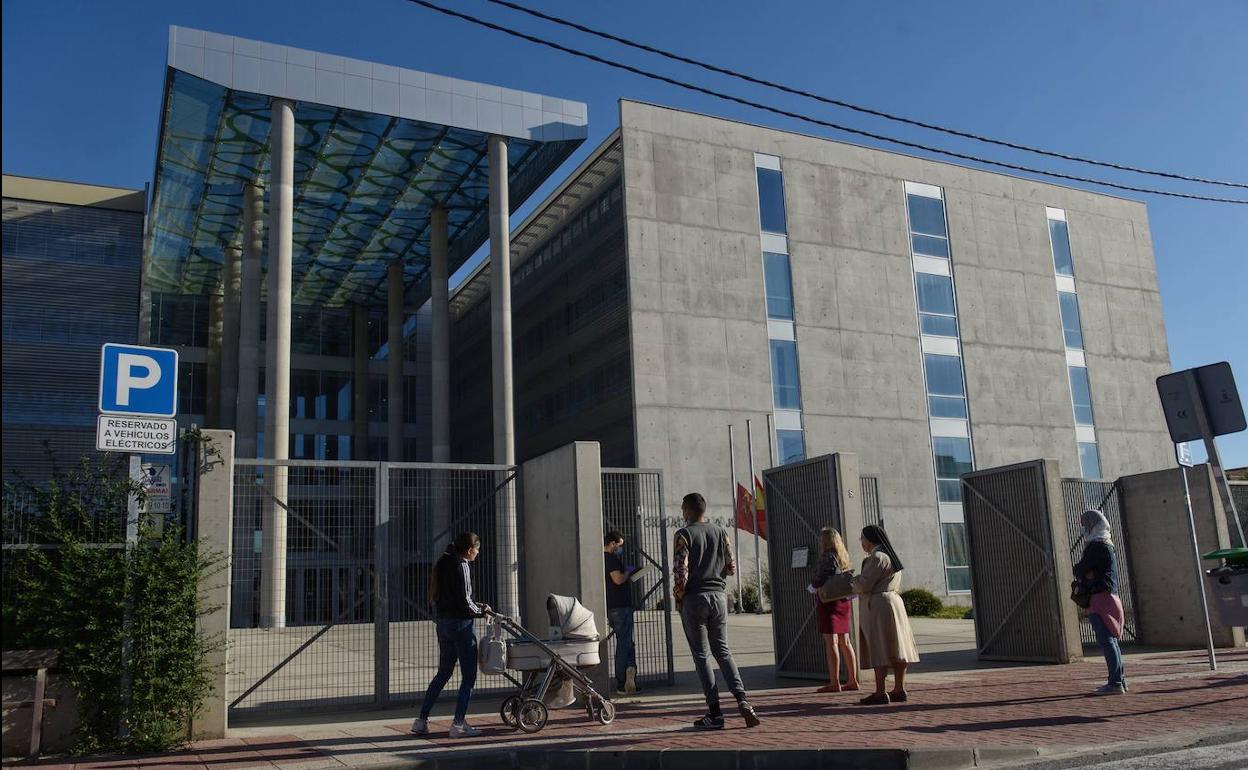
<point x="1200" y="573"/>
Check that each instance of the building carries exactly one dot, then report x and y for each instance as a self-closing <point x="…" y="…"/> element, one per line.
<point x="695" y="272"/>
<point x="71" y="283"/>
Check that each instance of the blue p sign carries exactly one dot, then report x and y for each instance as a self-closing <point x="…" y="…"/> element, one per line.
<point x="138" y="380"/>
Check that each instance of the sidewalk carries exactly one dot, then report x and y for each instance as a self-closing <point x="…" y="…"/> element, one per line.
<point x="1010" y="713"/>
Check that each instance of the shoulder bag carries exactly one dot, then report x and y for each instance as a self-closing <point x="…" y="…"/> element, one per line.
<point x="836" y="587"/>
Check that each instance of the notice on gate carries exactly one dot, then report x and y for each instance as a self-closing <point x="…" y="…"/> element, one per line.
<point x="145" y="435"/>
<point x="156" y="484"/>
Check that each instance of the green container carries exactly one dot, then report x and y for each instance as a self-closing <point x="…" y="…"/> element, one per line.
<point x="1235" y="557"/>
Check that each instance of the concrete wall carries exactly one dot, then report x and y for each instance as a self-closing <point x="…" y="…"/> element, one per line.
<point x="1167" y="595"/>
<point x="563" y="537"/>
<point x="214" y="532"/>
<point x="699" y="321"/>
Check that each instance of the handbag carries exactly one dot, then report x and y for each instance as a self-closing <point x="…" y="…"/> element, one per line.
<point x="836" y="587"/>
<point x="492" y="651"/>
<point x="1079" y="594"/>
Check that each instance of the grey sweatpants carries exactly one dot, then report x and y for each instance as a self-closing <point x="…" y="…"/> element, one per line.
<point x="705" y="619"/>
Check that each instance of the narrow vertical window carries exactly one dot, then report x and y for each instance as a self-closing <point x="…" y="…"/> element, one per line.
<point x="1089" y="460"/>
<point x="791" y="446"/>
<point x="1071" y="327"/>
<point x="784" y="377"/>
<point x="1081" y="394"/>
<point x="771" y="201"/>
<point x="1059" y="234"/>
<point x="779" y="285"/>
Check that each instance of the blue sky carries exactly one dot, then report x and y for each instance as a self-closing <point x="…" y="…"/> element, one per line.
<point x="1155" y="84"/>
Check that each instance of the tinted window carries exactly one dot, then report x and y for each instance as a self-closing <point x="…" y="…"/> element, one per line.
<point x="953" y="456"/>
<point x="779" y="286"/>
<point x="944" y="375"/>
<point x="1081" y="393"/>
<point x="1060" y="236"/>
<point x="791" y="445"/>
<point x="1089" y="461"/>
<point x="1070" y="320"/>
<point x="927" y="215"/>
<point x="936" y="310"/>
<point x="785" y="387"/>
<point x="771" y="201"/>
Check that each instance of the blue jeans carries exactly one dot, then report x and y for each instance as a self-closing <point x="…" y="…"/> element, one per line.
<point x="1109" y="646"/>
<point x="456" y="642"/>
<point x="621" y="620"/>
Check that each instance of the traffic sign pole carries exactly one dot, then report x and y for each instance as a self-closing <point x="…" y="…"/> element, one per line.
<point x="1215" y="460"/>
<point x="1200" y="572"/>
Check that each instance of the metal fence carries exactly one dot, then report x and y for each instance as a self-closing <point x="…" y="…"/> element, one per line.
<point x="1078" y="495"/>
<point x="361" y="539"/>
<point x="1239" y="493"/>
<point x="871" y="512"/>
<point x="632" y="504"/>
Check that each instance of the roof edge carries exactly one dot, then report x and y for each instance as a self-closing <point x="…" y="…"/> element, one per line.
<point x="74" y="193"/>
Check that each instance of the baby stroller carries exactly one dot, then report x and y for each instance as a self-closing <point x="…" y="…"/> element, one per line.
<point x="547" y="664"/>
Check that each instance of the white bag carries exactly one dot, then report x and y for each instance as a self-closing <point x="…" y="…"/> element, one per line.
<point x="492" y="651"/>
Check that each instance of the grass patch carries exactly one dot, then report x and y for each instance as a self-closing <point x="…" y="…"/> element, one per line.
<point x="950" y="612"/>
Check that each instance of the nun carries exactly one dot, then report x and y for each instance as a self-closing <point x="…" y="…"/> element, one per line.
<point x="885" y="639"/>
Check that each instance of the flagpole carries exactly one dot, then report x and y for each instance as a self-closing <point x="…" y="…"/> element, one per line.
<point x="736" y="530"/>
<point x="771" y="442"/>
<point x="758" y="565"/>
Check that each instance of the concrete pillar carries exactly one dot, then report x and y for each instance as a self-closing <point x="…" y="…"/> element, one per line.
<point x="229" y="337"/>
<point x="212" y="399"/>
<point x="440" y="344"/>
<point x="394" y="361"/>
<point x="249" y="320"/>
<point x="277" y="368"/>
<point x="504" y="419"/>
<point x="214" y="524"/>
<point x="359" y="383"/>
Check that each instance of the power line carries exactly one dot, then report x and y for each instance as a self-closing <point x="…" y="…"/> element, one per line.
<point x="807" y="118"/>
<point x="851" y="106"/>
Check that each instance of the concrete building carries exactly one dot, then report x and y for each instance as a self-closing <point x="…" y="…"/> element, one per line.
<point x="695" y="272"/>
<point x="71" y="283"/>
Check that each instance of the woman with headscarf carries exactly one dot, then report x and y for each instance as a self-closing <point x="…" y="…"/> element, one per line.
<point x="1097" y="571"/>
<point x="885" y="639"/>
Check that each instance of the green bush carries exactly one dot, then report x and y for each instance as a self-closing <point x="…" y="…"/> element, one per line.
<point x="921" y="602"/>
<point x="123" y="620"/>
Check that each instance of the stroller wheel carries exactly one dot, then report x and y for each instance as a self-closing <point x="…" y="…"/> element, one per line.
<point x="532" y="715"/>
<point x="509" y="711"/>
<point x="605" y="712"/>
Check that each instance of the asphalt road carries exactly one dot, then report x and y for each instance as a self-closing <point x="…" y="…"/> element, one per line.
<point x="1221" y="756"/>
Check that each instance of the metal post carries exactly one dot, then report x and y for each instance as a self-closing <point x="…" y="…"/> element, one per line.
<point x="132" y="539"/>
<point x="736" y="530"/>
<point x="359" y="383"/>
<point x="1200" y="572"/>
<point x="1215" y="459"/>
<point x="758" y="564"/>
<point x="381" y="589"/>
<point x="771" y="441"/>
<point x="394" y="361"/>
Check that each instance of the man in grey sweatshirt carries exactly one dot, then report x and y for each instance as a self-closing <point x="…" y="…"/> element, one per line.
<point x="703" y="559"/>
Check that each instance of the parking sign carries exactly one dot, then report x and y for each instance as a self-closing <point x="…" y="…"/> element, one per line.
<point x="138" y="380"/>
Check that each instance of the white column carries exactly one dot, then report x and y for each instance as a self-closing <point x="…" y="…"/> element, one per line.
<point x="394" y="361"/>
<point x="504" y="422"/>
<point x="277" y="355"/>
<point x="229" y="337"/>
<point x="249" y="320"/>
<point x="440" y="346"/>
<point x="359" y="383"/>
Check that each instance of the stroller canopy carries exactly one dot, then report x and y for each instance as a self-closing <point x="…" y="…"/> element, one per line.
<point x="574" y="619"/>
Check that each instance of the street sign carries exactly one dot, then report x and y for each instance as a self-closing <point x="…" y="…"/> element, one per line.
<point x="1212" y="387"/>
<point x="136" y="435"/>
<point x="138" y="380"/>
<point x="159" y="491"/>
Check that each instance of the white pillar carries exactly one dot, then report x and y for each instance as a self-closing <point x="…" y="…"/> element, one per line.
<point x="440" y="346"/>
<point x="504" y="422"/>
<point x="277" y="354"/>
<point x="249" y="320"/>
<point x="394" y="361"/>
<point x="359" y="383"/>
<point x="229" y="337"/>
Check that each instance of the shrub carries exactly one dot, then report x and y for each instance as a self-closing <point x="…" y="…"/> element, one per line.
<point x="921" y="602"/>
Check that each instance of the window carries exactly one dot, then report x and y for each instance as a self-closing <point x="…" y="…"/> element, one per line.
<point x="946" y="391"/>
<point x="785" y="385"/>
<point x="771" y="201"/>
<point x="937" y="315"/>
<point x="1081" y="394"/>
<point x="779" y="286"/>
<point x="1089" y="460"/>
<point x="953" y="458"/>
<point x="927" y="226"/>
<point x="1059" y="234"/>
<point x="1070" y="320"/>
<point x="957" y="560"/>
<point x="791" y="445"/>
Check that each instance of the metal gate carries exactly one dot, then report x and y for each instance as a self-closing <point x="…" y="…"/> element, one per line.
<point x="871" y="513"/>
<point x="1019" y="573"/>
<point x="1078" y="495"/>
<point x="632" y="503"/>
<point x="361" y="538"/>
<point x="802" y="498"/>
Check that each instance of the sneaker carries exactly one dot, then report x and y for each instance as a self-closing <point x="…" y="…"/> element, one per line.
<point x="898" y="696"/>
<point x="630" y="680"/>
<point x="709" y="722"/>
<point x="747" y="713"/>
<point x="1110" y="689"/>
<point x="420" y="726"/>
<point x="463" y="730"/>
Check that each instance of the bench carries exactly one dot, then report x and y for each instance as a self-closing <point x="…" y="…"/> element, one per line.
<point x="37" y="662"/>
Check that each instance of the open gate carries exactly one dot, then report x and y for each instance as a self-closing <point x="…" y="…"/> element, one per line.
<point x="1020" y="568"/>
<point x="1078" y="495"/>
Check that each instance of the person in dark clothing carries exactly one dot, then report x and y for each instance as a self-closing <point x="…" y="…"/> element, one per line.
<point x="450" y="587"/>
<point x="703" y="558"/>
<point x="1097" y="571"/>
<point x="620" y="611"/>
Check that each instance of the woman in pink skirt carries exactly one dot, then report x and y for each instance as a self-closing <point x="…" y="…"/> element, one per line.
<point x="833" y="616"/>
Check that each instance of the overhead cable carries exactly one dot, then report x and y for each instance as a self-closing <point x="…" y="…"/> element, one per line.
<point x="851" y="106"/>
<point x="807" y="118"/>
